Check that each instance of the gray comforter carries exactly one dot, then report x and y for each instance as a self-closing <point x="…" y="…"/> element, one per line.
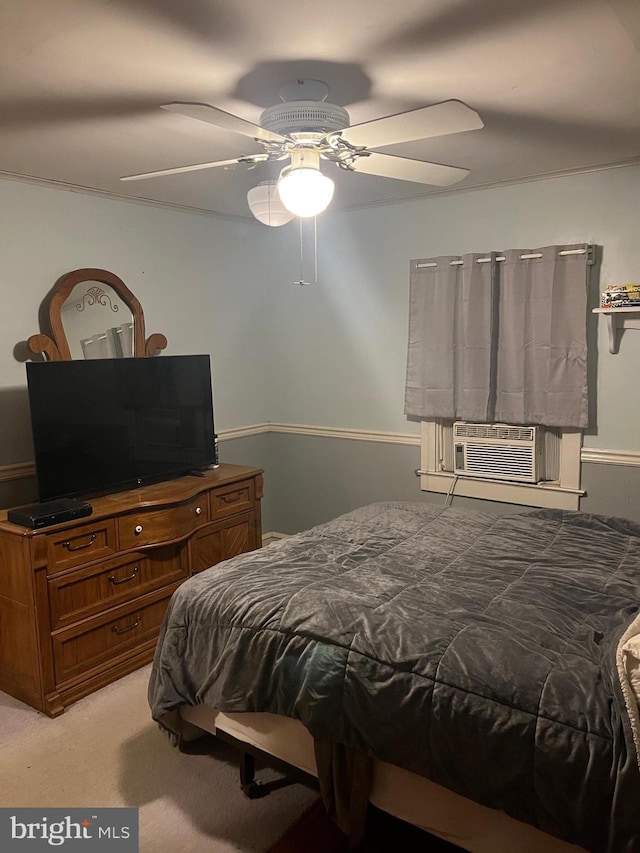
<point x="477" y="651"/>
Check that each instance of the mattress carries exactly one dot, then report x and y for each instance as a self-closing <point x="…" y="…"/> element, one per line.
<point x="399" y="792"/>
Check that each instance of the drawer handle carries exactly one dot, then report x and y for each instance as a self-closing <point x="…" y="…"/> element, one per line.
<point x="113" y="579"/>
<point x="198" y="510"/>
<point x="67" y="544"/>
<point x="117" y="630"/>
<point x="232" y="497"/>
<point x="137" y="529"/>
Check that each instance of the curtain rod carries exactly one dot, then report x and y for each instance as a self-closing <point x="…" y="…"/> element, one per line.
<point x="503" y="258"/>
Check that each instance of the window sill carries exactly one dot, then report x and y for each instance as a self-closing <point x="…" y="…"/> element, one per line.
<point x="548" y="495"/>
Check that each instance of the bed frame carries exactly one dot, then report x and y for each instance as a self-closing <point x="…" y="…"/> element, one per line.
<point x="399" y="792"/>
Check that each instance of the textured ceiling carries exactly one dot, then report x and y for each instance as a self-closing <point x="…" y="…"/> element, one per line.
<point x="556" y="82"/>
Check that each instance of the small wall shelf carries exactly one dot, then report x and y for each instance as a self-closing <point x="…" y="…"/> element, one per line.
<point x="618" y="319"/>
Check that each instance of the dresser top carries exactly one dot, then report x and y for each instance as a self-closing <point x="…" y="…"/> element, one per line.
<point x="159" y="494"/>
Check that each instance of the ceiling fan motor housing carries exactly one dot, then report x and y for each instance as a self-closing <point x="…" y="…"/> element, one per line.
<point x="304" y="116"/>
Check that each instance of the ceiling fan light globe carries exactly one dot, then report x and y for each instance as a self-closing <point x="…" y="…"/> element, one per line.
<point x="305" y="192"/>
<point x="266" y="205"/>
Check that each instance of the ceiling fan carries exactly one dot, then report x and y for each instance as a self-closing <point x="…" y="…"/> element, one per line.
<point x="305" y="129"/>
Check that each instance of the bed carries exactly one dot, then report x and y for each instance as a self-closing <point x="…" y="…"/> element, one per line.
<point x="485" y="668"/>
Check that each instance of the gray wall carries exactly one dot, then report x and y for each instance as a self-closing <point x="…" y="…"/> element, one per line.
<point x="331" y="354"/>
<point x="338" y="349"/>
<point x="196" y="280"/>
<point x="192" y="273"/>
<point x="310" y="479"/>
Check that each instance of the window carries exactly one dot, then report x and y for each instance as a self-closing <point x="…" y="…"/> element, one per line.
<point x="501" y="339"/>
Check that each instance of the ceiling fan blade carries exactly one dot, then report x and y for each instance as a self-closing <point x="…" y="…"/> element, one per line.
<point x="423" y="123"/>
<point x="227" y="121"/>
<point x="196" y="167"/>
<point x="404" y="169"/>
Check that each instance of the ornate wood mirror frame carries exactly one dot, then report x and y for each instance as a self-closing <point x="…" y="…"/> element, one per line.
<point x="57" y="347"/>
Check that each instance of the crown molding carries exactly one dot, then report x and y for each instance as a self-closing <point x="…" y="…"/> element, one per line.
<point x="149" y="202"/>
<point x="113" y="196"/>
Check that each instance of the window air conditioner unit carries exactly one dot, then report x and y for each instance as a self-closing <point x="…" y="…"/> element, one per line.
<point x="498" y="451"/>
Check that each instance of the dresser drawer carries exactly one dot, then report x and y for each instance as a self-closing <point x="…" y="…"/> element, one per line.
<point x="80" y="545"/>
<point x="149" y="526"/>
<point x="218" y="542"/>
<point x="231" y="499"/>
<point x="103" y="639"/>
<point x="86" y="592"/>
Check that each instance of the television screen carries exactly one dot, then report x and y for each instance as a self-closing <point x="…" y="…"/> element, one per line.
<point x="105" y="425"/>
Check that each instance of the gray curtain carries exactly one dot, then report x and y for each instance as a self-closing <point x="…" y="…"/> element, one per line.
<point x="500" y="337"/>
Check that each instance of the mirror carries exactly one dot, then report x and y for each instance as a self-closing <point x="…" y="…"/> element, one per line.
<point x="93" y="314"/>
<point x="96" y="323"/>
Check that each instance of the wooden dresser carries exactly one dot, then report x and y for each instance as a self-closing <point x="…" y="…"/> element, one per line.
<point x="82" y="602"/>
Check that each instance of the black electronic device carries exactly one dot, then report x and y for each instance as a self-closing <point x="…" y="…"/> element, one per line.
<point x="48" y="513"/>
<point x="104" y="425"/>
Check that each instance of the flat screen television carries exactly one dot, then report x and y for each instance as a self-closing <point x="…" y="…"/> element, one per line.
<point x="104" y="425"/>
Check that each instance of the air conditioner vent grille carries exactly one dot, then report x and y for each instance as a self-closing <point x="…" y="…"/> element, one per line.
<point x="498" y="451"/>
<point x="504" y="432"/>
<point x="507" y="462"/>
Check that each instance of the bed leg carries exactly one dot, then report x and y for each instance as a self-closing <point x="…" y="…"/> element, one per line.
<point x="250" y="785"/>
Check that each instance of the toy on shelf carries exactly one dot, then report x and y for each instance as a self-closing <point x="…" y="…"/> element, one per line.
<point x="620" y="303"/>
<point x="620" y="296"/>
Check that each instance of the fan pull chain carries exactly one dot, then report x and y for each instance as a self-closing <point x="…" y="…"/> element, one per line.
<point x="301" y="280"/>
<point x="315" y="249"/>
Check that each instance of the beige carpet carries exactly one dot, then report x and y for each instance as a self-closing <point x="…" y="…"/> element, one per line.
<point x="106" y="751"/>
